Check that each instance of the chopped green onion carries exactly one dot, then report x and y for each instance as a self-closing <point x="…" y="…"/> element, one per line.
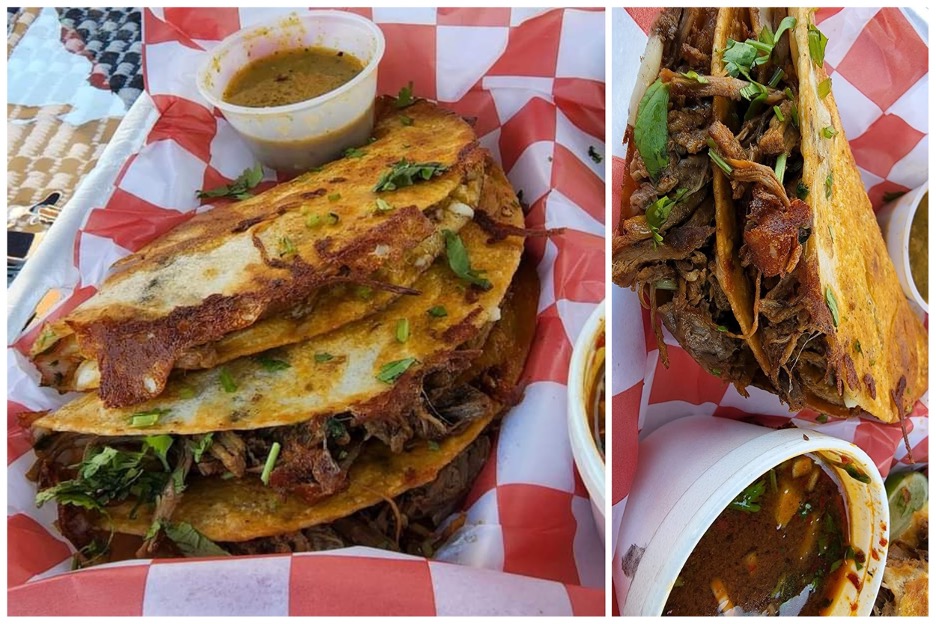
<point x="776" y="78"/>
<point x="148" y="418"/>
<point x="323" y="357"/>
<point x="752" y="90"/>
<point x="833" y="305"/>
<point x="828" y="187"/>
<point x="271" y="364"/>
<point x="286" y="246"/>
<point x="402" y="330"/>
<point x="780" y="167"/>
<point x="270" y="462"/>
<point x="334" y="197"/>
<point x="825" y="87"/>
<point x="391" y="371"/>
<point x="382" y="205"/>
<point x="721" y="163"/>
<point x="437" y="311"/>
<point x="778" y="113"/>
<point x="227" y="381"/>
<point x="829" y="132"/>
<point x="817" y="44"/>
<point x="406" y="120"/>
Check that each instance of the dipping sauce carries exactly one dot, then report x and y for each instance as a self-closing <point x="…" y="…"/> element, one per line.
<point x="919" y="241"/>
<point x="777" y="549"/>
<point x="291" y="76"/>
<point x="596" y="396"/>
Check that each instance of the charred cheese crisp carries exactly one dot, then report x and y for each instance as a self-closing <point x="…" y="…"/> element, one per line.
<point x="337" y="392"/>
<point x="747" y="230"/>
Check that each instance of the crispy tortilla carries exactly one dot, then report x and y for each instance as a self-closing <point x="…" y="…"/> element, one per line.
<point x="237" y="510"/>
<point x="735" y="284"/>
<point x="853" y="261"/>
<point x="336" y="372"/>
<point x="332" y="308"/>
<point x="243" y="509"/>
<point x="878" y="348"/>
<point x="227" y="268"/>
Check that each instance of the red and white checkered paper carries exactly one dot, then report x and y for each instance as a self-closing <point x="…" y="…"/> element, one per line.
<point x="534" y="79"/>
<point x="877" y="60"/>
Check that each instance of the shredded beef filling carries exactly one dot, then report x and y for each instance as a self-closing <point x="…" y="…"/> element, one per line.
<point x="676" y="279"/>
<point x="759" y="145"/>
<point x="409" y="523"/>
<point x="792" y="316"/>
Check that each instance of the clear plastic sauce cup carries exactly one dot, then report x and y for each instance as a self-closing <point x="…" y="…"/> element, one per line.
<point x="298" y="137"/>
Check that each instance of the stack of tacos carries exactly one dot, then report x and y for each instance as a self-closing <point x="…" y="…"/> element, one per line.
<point x="746" y="228"/>
<point x="313" y="367"/>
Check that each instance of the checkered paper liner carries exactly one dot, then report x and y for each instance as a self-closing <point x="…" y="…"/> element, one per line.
<point x="877" y="60"/>
<point x="534" y="80"/>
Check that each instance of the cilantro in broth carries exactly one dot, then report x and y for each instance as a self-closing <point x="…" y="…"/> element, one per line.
<point x="748" y="501"/>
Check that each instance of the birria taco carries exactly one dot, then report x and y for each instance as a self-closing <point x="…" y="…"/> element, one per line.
<point x="367" y="429"/>
<point x="312" y="244"/>
<point x="746" y="227"/>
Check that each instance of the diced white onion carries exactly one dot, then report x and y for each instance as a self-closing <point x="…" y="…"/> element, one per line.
<point x="462" y="210"/>
<point x="649" y="68"/>
<point x="88" y="375"/>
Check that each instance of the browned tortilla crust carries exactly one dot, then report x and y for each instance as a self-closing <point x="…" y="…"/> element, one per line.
<point x="136" y="330"/>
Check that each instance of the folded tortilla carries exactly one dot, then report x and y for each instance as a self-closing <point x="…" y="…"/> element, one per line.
<point x="835" y="332"/>
<point x="493" y="331"/>
<point x="344" y="370"/>
<point x="783" y="285"/>
<point x="228" y="268"/>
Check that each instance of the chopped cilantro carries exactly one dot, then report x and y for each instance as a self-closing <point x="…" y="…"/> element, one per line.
<point x="238" y="189"/>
